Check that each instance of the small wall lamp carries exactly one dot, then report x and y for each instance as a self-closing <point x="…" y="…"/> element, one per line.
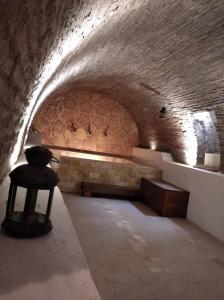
<point x="162" y="113"/>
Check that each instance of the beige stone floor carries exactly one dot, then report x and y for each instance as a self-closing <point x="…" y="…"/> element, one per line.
<point x="135" y="255"/>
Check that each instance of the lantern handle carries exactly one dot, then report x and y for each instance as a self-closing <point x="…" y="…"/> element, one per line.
<point x="54" y="159"/>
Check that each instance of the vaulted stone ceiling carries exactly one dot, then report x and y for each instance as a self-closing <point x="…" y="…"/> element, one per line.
<point x="146" y="54"/>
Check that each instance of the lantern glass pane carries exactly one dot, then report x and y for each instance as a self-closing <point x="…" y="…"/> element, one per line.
<point x="20" y="199"/>
<point x="42" y="201"/>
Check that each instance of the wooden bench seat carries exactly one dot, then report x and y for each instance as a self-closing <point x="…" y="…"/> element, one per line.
<point x="112" y="191"/>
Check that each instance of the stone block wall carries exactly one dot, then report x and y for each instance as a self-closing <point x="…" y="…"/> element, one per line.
<point x="72" y="171"/>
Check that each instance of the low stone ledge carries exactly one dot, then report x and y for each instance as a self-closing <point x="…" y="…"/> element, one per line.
<point x="72" y="171"/>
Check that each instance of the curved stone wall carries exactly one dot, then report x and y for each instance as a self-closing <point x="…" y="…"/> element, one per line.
<point x="147" y="54"/>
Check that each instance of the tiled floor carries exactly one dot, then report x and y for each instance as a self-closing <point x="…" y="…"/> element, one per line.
<point x="135" y="255"/>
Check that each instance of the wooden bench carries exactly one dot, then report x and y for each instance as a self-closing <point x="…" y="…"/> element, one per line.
<point x="111" y="191"/>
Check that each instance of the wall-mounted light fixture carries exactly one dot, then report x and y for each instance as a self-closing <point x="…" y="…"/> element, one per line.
<point x="162" y="113"/>
<point x="73" y="127"/>
<point x="153" y="145"/>
<point x="105" y="132"/>
<point x="89" y="129"/>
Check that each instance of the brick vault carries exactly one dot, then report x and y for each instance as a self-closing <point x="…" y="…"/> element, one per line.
<point x="145" y="54"/>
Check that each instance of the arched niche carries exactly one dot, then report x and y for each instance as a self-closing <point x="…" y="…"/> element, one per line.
<point x="86" y="120"/>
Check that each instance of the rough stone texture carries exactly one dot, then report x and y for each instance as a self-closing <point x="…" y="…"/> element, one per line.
<point x="220" y="126"/>
<point x="207" y="137"/>
<point x="72" y="171"/>
<point x="87" y="121"/>
<point x="146" y="54"/>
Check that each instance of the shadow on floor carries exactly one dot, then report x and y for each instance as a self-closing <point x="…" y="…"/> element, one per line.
<point x="143" y="208"/>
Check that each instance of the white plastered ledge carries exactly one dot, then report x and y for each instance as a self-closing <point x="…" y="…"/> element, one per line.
<point x="51" y="267"/>
<point x="206" y="202"/>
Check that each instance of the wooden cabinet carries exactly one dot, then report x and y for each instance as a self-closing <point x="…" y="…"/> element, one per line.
<point x="164" y="198"/>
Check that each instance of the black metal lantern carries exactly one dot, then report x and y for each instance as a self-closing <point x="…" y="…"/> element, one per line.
<point x="34" y="177"/>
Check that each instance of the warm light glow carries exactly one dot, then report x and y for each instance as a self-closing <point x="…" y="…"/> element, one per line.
<point x="69" y="44"/>
<point x="202" y="116"/>
<point x="153" y="145"/>
<point x="190" y="140"/>
<point x="98" y="157"/>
